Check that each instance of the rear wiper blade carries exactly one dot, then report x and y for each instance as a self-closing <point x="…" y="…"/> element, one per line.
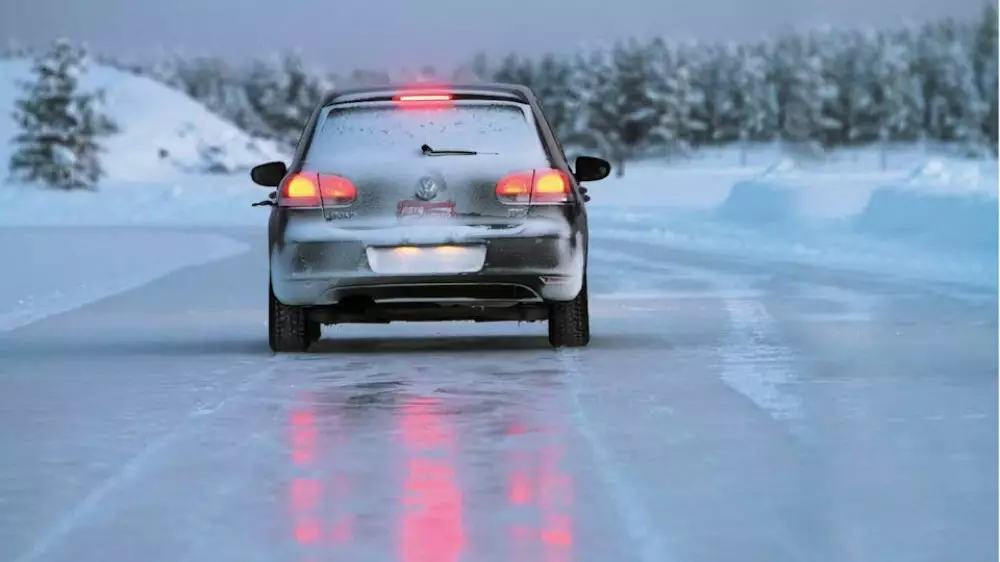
<point x="428" y="151"/>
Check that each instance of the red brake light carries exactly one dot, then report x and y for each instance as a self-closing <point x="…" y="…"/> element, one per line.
<point x="535" y="187"/>
<point x="301" y="186"/>
<point x="551" y="186"/>
<point x="337" y="190"/>
<point x="303" y="190"/>
<point x="423" y="97"/>
<point x="515" y="188"/>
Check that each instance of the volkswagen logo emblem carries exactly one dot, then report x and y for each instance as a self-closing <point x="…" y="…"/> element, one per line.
<point x="428" y="188"/>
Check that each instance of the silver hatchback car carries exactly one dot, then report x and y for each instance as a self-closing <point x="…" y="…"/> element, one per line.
<point x="428" y="204"/>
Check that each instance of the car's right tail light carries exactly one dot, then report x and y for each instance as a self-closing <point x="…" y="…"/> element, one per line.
<point x="535" y="187"/>
<point x="303" y="189"/>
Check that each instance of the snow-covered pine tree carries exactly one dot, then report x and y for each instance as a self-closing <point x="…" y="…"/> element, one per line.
<point x="60" y="125"/>
<point x="633" y="100"/>
<point x="215" y="84"/>
<point x="849" y="60"/>
<point x="476" y="70"/>
<point x="577" y="137"/>
<point x="805" y="91"/>
<point x="984" y="63"/>
<point x="284" y="95"/>
<point x="428" y="73"/>
<point x="716" y="76"/>
<point x="552" y="81"/>
<point x="360" y="77"/>
<point x="166" y="69"/>
<point x="515" y="69"/>
<point x="897" y="101"/>
<point x="597" y="125"/>
<point x="677" y="100"/>
<point x="558" y="94"/>
<point x="753" y="113"/>
<point x="955" y="109"/>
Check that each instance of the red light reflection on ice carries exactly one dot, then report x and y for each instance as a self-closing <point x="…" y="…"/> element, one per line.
<point x="539" y="490"/>
<point x="432" y="526"/>
<point x="312" y="496"/>
<point x="556" y="503"/>
<point x="304" y="493"/>
<point x="342" y="529"/>
<point x="303" y="429"/>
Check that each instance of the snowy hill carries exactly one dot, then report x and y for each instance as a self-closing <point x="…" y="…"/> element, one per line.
<point x="165" y="135"/>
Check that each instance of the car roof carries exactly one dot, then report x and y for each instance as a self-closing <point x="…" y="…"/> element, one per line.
<point x="500" y="91"/>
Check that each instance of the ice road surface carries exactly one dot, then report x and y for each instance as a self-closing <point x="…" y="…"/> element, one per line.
<point x="724" y="411"/>
<point x="49" y="271"/>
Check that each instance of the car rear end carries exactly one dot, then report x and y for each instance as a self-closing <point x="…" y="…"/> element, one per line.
<point x="414" y="200"/>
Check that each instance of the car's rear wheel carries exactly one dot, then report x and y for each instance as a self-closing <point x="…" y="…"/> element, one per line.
<point x="289" y="327"/>
<point x="569" y="322"/>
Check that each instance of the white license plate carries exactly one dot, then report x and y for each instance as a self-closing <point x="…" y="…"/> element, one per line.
<point x="418" y="260"/>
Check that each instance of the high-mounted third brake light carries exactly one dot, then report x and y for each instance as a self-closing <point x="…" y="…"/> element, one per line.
<point x="423" y="97"/>
<point x="304" y="188"/>
<point x="535" y="187"/>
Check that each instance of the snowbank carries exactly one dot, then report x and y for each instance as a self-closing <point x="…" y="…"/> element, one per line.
<point x="763" y="200"/>
<point x="942" y="205"/>
<point x="787" y="194"/>
<point x="165" y="135"/>
<point x="947" y="207"/>
<point x="83" y="265"/>
<point x="938" y="222"/>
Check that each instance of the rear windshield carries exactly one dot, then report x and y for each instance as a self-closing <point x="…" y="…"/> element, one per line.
<point x="385" y="131"/>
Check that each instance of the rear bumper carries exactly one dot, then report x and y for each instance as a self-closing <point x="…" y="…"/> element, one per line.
<point x="532" y="263"/>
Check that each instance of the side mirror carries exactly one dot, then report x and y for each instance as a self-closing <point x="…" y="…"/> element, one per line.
<point x="589" y="168"/>
<point x="269" y="175"/>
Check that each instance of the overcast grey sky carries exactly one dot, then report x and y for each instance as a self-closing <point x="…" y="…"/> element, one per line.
<point x="405" y="33"/>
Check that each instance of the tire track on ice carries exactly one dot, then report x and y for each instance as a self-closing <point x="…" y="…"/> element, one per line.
<point x="638" y="525"/>
<point x="133" y="467"/>
<point x="755" y="363"/>
<point x="755" y="367"/>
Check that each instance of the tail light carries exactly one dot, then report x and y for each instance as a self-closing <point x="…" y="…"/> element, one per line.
<point x="535" y="187"/>
<point x="304" y="189"/>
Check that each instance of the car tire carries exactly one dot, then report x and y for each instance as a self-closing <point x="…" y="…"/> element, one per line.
<point x="569" y="322"/>
<point x="289" y="328"/>
<point x="315" y="332"/>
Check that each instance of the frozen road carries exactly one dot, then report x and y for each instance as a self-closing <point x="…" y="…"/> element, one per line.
<point x="725" y="411"/>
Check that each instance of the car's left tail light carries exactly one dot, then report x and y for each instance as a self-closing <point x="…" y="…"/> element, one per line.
<point x="304" y="189"/>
